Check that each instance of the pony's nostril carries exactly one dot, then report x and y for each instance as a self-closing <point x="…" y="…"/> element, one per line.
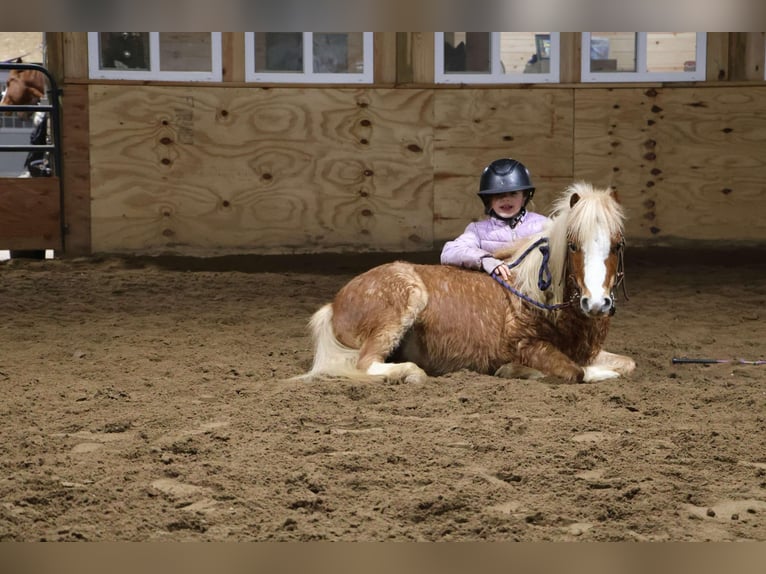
<point x="607" y="302"/>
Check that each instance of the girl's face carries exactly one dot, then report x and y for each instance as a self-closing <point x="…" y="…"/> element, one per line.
<point x="508" y="204"/>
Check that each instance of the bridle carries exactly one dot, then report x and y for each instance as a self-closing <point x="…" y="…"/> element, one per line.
<point x="619" y="280"/>
<point x="544" y="277"/>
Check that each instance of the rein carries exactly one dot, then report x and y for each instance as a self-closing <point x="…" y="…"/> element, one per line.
<point x="544" y="276"/>
<point x="621" y="272"/>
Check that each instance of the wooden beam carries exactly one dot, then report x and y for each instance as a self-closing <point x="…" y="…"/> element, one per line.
<point x="75" y="171"/>
<point x="717" y="57"/>
<point x="422" y="57"/>
<point x="233" y="48"/>
<point x="54" y="54"/>
<point x="571" y="49"/>
<point x="385" y="56"/>
<point x="75" y="56"/>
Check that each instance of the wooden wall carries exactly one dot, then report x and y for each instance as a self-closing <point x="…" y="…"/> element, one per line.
<point x="209" y="170"/>
<point x="689" y="163"/>
<point x="235" y="168"/>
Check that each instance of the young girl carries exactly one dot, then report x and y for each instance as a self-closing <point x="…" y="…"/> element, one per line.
<point x="505" y="188"/>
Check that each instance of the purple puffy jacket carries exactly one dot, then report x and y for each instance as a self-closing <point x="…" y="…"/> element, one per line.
<point x="485" y="237"/>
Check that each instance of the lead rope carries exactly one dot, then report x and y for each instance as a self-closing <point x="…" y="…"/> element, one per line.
<point x="544" y="276"/>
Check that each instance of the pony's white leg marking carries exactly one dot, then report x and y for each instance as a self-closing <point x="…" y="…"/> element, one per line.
<point x="620" y="363"/>
<point x="595" y="299"/>
<point x="407" y="372"/>
<point x="595" y="373"/>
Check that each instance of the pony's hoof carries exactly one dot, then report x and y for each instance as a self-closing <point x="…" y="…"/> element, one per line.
<point x="415" y="378"/>
<point x="513" y="371"/>
<point x="594" y="373"/>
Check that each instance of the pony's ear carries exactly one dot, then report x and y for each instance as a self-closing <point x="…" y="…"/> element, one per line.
<point x="574" y="199"/>
<point x="615" y="196"/>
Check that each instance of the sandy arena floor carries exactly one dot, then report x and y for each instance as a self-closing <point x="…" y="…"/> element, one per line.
<point x="145" y="399"/>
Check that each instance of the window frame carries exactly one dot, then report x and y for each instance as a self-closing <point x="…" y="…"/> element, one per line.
<point x="310" y="77"/>
<point x="641" y="74"/>
<point x="497" y="76"/>
<point x="155" y="73"/>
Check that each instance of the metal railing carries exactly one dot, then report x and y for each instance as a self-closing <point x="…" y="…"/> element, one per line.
<point x="52" y="107"/>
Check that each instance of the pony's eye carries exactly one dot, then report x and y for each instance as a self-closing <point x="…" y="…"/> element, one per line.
<point x="572" y="247"/>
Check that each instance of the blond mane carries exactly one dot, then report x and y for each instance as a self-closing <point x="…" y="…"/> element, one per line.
<point x="595" y="209"/>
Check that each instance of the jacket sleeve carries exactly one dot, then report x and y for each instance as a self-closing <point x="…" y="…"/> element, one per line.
<point x="464" y="250"/>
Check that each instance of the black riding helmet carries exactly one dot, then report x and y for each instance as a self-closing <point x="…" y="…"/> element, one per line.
<point x="504" y="175"/>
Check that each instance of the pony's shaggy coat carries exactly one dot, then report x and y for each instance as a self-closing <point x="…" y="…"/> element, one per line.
<point x="403" y="321"/>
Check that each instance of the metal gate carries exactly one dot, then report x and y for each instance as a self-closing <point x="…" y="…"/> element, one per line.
<point x="31" y="208"/>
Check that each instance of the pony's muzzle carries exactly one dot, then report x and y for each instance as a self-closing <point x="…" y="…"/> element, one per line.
<point x="597" y="307"/>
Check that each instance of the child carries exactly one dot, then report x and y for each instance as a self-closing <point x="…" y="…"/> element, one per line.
<point x="505" y="188"/>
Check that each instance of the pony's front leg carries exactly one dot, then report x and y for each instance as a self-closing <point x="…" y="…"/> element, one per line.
<point x="545" y="357"/>
<point x="409" y="373"/>
<point x="620" y="363"/>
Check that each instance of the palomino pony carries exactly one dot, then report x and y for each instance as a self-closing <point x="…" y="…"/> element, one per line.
<point x="403" y="321"/>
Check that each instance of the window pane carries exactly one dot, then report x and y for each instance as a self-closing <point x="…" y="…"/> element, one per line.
<point x="525" y="52"/>
<point x="124" y="50"/>
<point x="671" y="51"/>
<point x="186" y="51"/>
<point x="467" y="52"/>
<point x="279" y="52"/>
<point x="613" y="52"/>
<point x="338" y="53"/>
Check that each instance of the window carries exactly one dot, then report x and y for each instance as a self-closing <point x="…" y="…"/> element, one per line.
<point x="496" y="57"/>
<point x="186" y="56"/>
<point x="309" y="57"/>
<point x="643" y="56"/>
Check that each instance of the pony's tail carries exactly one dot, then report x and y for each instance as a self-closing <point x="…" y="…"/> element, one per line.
<point x="330" y="357"/>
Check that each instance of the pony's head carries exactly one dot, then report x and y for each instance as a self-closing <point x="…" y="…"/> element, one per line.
<point x="587" y="241"/>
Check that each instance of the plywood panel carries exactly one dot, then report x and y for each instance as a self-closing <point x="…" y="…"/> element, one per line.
<point x="473" y="127"/>
<point x="205" y="169"/>
<point x="30" y="213"/>
<point x="688" y="162"/>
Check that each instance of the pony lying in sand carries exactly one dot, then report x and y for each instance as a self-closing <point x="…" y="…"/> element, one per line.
<point x="404" y="321"/>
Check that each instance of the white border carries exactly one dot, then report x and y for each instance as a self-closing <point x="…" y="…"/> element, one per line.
<point x="496" y="76"/>
<point x="308" y="76"/>
<point x="95" y="72"/>
<point x="641" y="74"/>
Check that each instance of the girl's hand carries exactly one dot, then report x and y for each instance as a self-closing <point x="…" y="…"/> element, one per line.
<point x="495" y="267"/>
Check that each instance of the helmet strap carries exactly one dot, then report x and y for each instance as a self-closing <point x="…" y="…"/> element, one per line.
<point x="511" y="221"/>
